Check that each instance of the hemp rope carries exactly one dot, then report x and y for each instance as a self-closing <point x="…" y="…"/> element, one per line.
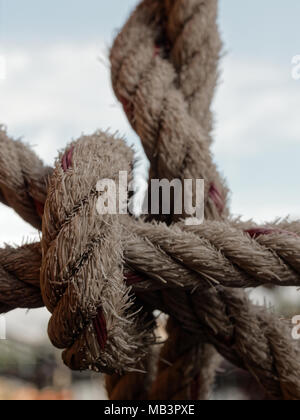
<point x="23" y="179"/>
<point x="212" y="255"/>
<point x="146" y="83"/>
<point x="179" y="55"/>
<point x="250" y="337"/>
<point x="143" y="85"/>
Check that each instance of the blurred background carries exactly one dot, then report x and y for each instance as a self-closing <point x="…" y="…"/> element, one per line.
<point x="55" y="85"/>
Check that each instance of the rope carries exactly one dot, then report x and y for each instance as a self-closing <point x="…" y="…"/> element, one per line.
<point x="212" y="255"/>
<point x="166" y="82"/>
<point x="83" y="286"/>
<point x="23" y="179"/>
<point x="187" y="272"/>
<point x="176" y="144"/>
<point x="82" y="262"/>
<point x="20" y="272"/>
<point x="190" y="360"/>
<point x="248" y="336"/>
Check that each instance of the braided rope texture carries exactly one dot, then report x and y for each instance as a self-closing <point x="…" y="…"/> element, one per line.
<point x="160" y="91"/>
<point x="166" y="83"/>
<point x="186" y="272"/>
<point x="82" y="260"/>
<point x="162" y="94"/>
<point x="249" y="336"/>
<point x="23" y="179"/>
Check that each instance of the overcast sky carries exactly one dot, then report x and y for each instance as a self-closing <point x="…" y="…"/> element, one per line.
<point x="56" y="88"/>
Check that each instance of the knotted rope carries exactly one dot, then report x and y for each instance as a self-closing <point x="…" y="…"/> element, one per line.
<point x="90" y="301"/>
<point x="96" y="270"/>
<point x="166" y="82"/>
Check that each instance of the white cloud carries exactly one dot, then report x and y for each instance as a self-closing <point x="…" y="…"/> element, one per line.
<point x="51" y="96"/>
<point x="258" y="137"/>
<point x="2" y="68"/>
<point x="36" y="322"/>
<point x="260" y="100"/>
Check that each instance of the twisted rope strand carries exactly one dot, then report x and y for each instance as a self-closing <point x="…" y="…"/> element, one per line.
<point x="166" y="86"/>
<point x="212" y="254"/>
<point x="23" y="179"/>
<point x="158" y="110"/>
<point x="20" y="277"/>
<point x="156" y="78"/>
<point x="181" y="257"/>
<point x="254" y="340"/>
<point x="175" y="142"/>
<point x="218" y="320"/>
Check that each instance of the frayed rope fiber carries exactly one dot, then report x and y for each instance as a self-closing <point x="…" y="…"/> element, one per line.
<point x="102" y="276"/>
<point x="82" y="272"/>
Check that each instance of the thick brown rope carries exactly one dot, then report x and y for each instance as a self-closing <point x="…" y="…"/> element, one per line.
<point x="82" y="272"/>
<point x="23" y="179"/>
<point x="195" y="59"/>
<point x="222" y="319"/>
<point x="175" y="142"/>
<point x="249" y="340"/>
<point x="250" y="337"/>
<point x="186" y="358"/>
<point x="82" y="281"/>
<point x="19" y="277"/>
<point x="213" y="254"/>
<point x="182" y="257"/>
<point x="166" y="83"/>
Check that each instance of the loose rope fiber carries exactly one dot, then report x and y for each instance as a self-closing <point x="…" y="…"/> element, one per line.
<point x="83" y="252"/>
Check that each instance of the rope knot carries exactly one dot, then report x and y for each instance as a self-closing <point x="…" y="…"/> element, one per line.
<point x="82" y="277"/>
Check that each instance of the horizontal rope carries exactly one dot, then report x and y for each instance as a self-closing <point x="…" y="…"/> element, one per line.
<point x="166" y="262"/>
<point x="20" y="277"/>
<point x="218" y="324"/>
<point x="187" y="272"/>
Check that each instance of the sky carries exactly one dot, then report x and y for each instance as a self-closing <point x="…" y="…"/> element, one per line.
<point x="57" y="86"/>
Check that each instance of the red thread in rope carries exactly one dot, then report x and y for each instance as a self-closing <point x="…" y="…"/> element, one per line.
<point x="133" y="278"/>
<point x="66" y="161"/>
<point x="128" y="107"/>
<point x="156" y="51"/>
<point x="217" y="198"/>
<point x="39" y="208"/>
<point x="257" y="232"/>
